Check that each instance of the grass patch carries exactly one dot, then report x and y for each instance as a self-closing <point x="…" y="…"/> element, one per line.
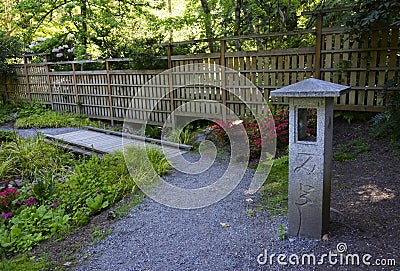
<point x="275" y="195"/>
<point x="124" y="209"/>
<point x="281" y="232"/>
<point x="7" y="136"/>
<point x="55" y="120"/>
<point x="99" y="234"/>
<point x="32" y="158"/>
<point x="350" y="150"/>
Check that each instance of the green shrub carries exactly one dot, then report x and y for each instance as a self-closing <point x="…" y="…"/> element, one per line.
<point x="387" y="124"/>
<point x="29" y="109"/>
<point x="182" y="136"/>
<point x="97" y="183"/>
<point x="350" y="116"/>
<point x="152" y="131"/>
<point x="11" y="111"/>
<point x="94" y="184"/>
<point x="158" y="160"/>
<point x="10" y="46"/>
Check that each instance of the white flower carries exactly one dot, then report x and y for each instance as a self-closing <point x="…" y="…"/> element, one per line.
<point x="55" y="50"/>
<point x="59" y="55"/>
<point x="66" y="46"/>
<point x="70" y="50"/>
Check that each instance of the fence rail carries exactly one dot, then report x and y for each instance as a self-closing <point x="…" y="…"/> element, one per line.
<point x="337" y="57"/>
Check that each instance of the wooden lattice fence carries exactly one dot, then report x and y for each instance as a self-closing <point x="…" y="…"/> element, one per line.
<point x="106" y="94"/>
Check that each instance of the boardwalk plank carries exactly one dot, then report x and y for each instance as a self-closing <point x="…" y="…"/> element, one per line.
<point x="106" y="143"/>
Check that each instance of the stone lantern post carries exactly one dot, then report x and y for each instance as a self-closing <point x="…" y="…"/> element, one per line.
<point x="310" y="155"/>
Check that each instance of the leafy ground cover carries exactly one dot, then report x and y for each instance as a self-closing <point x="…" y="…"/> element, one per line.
<point x="46" y="192"/>
<point x="350" y="150"/>
<point x="58" y="191"/>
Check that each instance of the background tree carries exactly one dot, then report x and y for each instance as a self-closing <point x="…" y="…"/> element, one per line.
<point x="373" y="14"/>
<point x="82" y="29"/>
<point x="97" y="27"/>
<point x="208" y="24"/>
<point x="10" y="47"/>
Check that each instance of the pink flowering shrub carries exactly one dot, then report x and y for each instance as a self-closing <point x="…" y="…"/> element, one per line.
<point x="221" y="130"/>
<point x="281" y="119"/>
<point x="312" y="121"/>
<point x="6" y="199"/>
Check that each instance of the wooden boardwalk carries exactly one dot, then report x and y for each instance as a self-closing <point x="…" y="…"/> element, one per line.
<point x="101" y="142"/>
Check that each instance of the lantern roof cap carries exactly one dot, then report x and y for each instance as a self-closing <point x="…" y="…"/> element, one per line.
<point x="312" y="88"/>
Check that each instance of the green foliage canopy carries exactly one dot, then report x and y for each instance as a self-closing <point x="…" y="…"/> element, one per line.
<point x="90" y="29"/>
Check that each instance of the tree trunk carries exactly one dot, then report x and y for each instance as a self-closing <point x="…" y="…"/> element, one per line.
<point x="171" y="33"/>
<point x="208" y="24"/>
<point x="249" y="19"/>
<point x="238" y="5"/>
<point x="84" y="31"/>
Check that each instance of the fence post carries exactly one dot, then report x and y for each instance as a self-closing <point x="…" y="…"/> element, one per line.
<point x="110" y="101"/>
<point x="170" y="78"/>
<point x="49" y="83"/>
<point x="318" y="46"/>
<point x="222" y="61"/>
<point x="77" y="102"/>
<point x="28" y="87"/>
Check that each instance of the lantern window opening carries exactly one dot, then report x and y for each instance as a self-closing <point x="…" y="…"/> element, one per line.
<point x="307" y="124"/>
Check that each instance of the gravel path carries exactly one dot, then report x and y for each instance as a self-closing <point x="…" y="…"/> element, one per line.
<point x="156" y="237"/>
<point x="33" y="132"/>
